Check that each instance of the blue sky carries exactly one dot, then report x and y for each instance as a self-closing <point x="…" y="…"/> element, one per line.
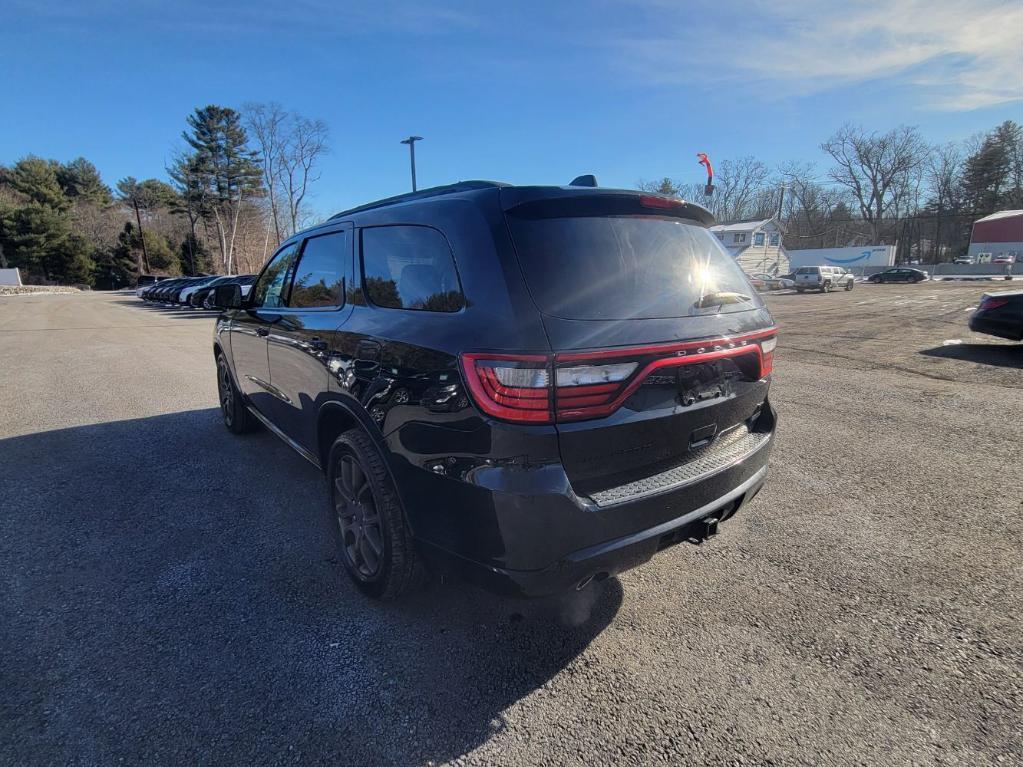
<point x="528" y="92"/>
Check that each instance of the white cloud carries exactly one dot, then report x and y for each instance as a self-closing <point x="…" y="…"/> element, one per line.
<point x="956" y="54"/>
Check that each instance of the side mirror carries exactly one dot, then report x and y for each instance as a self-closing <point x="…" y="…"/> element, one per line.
<point x="227" y="297"/>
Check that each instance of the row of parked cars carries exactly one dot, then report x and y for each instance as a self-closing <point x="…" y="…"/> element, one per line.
<point x="196" y="292"/>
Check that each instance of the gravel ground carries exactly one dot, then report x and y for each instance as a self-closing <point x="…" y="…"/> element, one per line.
<point x="167" y="595"/>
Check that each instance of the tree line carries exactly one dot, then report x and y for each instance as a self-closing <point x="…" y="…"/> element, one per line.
<point x="241" y="186"/>
<point x="874" y="187"/>
<point x="238" y="188"/>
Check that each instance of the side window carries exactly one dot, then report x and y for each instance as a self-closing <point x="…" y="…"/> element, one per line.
<point x="774" y="238"/>
<point x="320" y="274"/>
<point x="410" y="267"/>
<point x="758" y="238"/>
<point x="269" y="290"/>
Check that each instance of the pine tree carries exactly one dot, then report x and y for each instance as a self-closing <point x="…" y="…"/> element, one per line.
<point x="993" y="175"/>
<point x="225" y="170"/>
<point x="36" y="178"/>
<point x="81" y="182"/>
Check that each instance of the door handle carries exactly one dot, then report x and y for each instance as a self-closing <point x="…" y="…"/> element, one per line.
<point x="262" y="332"/>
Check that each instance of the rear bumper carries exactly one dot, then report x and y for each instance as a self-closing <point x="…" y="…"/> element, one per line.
<point x="523" y="531"/>
<point x="603" y="560"/>
<point x="993" y="327"/>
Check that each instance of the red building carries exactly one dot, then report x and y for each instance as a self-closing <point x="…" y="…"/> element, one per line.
<point x="1000" y="234"/>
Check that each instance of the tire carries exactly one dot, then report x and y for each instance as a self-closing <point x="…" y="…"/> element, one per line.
<point x="236" y="415"/>
<point x="849" y="285"/>
<point x="374" y="542"/>
<point x="800" y="290"/>
<point x="826" y="287"/>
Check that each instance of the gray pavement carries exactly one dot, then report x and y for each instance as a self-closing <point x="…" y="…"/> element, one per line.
<point x="168" y="595"/>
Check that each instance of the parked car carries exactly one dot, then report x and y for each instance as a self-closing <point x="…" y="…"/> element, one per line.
<point x="764" y="281"/>
<point x="167" y="293"/>
<point x="196" y="296"/>
<point x="244" y="283"/>
<point x="203" y="297"/>
<point x="146" y="280"/>
<point x="154" y="292"/>
<point x="185" y="293"/>
<point x="1000" y="314"/>
<point x="966" y="260"/>
<point x="823" y="278"/>
<point x="899" y="274"/>
<point x="1004" y="258"/>
<point x="509" y="383"/>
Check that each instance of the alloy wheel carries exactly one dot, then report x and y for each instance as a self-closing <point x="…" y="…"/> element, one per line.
<point x="358" y="518"/>
<point x="226" y="391"/>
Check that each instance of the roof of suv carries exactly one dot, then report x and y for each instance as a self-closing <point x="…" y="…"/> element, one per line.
<point x="531" y="193"/>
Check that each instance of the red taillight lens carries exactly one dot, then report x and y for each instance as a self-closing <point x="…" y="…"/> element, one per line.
<point x="665" y="203"/>
<point x="992" y="303"/>
<point x="572" y="386"/>
<point x="586" y="390"/>
<point x="511" y="387"/>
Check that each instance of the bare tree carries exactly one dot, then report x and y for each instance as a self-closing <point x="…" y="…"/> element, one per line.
<point x="737" y="186"/>
<point x="878" y="169"/>
<point x="809" y="206"/>
<point x="290" y="146"/>
<point x="268" y="123"/>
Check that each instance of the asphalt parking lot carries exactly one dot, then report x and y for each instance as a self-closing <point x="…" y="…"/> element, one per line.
<point x="169" y="596"/>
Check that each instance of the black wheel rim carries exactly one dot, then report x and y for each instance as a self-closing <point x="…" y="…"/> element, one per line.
<point x="357" y="516"/>
<point x="226" y="392"/>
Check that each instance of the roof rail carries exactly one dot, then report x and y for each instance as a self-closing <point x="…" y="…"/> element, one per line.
<point x="422" y="194"/>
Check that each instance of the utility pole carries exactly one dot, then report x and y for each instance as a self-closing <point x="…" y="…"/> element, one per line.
<point x="411" y="141"/>
<point x="142" y="236"/>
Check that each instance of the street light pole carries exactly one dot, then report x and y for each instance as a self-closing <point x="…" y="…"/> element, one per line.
<point x="411" y="141"/>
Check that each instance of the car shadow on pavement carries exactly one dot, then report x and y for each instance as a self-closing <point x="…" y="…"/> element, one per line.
<point x="169" y="594"/>
<point x="1007" y="355"/>
<point x="169" y="310"/>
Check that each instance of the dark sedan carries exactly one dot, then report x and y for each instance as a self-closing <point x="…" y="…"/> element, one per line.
<point x="1000" y="314"/>
<point x="899" y="274"/>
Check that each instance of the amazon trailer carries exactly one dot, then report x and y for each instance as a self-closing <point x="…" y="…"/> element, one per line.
<point x="854" y="259"/>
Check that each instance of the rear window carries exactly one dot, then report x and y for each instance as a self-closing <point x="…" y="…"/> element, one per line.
<point x="627" y="267"/>
<point x="808" y="270"/>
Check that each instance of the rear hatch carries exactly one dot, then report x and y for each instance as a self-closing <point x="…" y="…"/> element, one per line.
<point x="808" y="275"/>
<point x="658" y="338"/>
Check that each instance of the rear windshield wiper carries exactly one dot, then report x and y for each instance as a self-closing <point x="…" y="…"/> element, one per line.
<point x="720" y="298"/>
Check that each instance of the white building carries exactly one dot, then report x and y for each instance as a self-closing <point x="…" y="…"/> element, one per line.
<point x="755" y="245"/>
<point x="10" y="277"/>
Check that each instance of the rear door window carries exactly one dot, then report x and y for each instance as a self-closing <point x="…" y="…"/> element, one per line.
<point x="319" y="276"/>
<point x="410" y="267"/>
<point x="620" y="267"/>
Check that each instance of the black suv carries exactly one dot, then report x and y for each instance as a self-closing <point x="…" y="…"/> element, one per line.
<point x="533" y="387"/>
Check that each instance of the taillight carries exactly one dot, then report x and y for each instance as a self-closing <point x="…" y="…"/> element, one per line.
<point x="992" y="303"/>
<point x="586" y="390"/>
<point x="512" y="387"/>
<point x="767" y="355"/>
<point x="665" y="203"/>
<point x="572" y="386"/>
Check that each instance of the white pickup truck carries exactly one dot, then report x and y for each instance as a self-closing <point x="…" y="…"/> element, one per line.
<point x="823" y="278"/>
